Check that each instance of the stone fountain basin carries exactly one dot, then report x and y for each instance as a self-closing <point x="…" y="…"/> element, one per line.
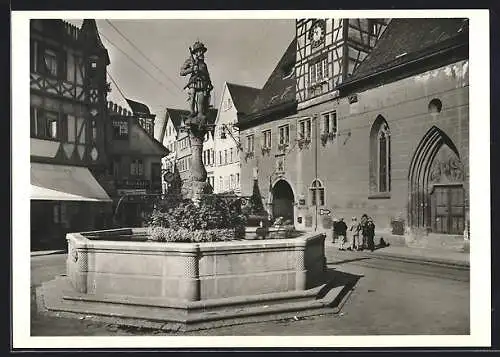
<point x="108" y="264"/>
<point x="119" y="277"/>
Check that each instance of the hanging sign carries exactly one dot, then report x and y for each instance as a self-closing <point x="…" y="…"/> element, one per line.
<point x="324" y="212"/>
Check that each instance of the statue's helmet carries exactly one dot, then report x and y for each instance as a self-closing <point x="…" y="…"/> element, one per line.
<point x="198" y="46"/>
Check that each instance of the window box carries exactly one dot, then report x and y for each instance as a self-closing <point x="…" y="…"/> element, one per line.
<point x="265" y="150"/>
<point x="303" y="143"/>
<point x="282" y="147"/>
<point x="249" y="155"/>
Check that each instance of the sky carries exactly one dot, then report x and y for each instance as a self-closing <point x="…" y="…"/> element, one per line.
<point x="239" y="51"/>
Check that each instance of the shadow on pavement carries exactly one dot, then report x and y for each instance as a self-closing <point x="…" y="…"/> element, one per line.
<point x="337" y="279"/>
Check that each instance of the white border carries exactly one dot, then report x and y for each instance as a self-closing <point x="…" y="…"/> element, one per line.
<point x="480" y="284"/>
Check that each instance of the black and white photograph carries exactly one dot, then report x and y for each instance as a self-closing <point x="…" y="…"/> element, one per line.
<point x="256" y="178"/>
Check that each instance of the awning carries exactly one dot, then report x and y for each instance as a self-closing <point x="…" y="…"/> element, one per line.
<point x="65" y="183"/>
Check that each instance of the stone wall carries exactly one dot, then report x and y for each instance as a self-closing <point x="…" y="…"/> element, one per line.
<point x="343" y="163"/>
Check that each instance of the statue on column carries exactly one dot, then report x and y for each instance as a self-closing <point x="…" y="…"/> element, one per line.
<point x="199" y="84"/>
<point x="199" y="87"/>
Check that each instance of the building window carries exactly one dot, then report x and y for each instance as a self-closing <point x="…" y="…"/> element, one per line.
<point x="136" y="167"/>
<point x="94" y="130"/>
<point x="221" y="184"/>
<point x="250" y="143"/>
<point x="372" y="27"/>
<point x="330" y="122"/>
<point x="317" y="193"/>
<point x="435" y="106"/>
<point x="231" y="181"/>
<point x="318" y="71"/>
<point x="44" y="124"/>
<point x="304" y="131"/>
<point x="220" y="157"/>
<point x="380" y="157"/>
<point x="237" y="180"/>
<point x="284" y="132"/>
<point x="120" y="129"/>
<point x="266" y="134"/>
<point x="115" y="167"/>
<point x="231" y="155"/>
<point x="50" y="61"/>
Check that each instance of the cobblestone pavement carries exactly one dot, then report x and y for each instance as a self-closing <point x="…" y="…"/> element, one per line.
<point x="389" y="298"/>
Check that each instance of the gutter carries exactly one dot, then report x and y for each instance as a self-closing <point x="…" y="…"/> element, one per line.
<point x="252" y="118"/>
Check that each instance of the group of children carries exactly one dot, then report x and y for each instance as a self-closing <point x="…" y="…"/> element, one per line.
<point x="358" y="236"/>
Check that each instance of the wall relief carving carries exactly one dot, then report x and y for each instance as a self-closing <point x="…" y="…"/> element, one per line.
<point x="447" y="168"/>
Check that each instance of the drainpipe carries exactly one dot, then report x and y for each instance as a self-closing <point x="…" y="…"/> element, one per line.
<point x="315" y="118"/>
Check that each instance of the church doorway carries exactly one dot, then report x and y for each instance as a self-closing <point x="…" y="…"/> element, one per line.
<point x="436" y="186"/>
<point x="283" y="200"/>
<point x="448" y="209"/>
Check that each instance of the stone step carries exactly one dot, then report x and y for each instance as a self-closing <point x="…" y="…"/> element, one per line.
<point x="56" y="296"/>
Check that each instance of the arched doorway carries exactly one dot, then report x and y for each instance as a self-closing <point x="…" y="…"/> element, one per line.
<point x="283" y="200"/>
<point x="436" y="190"/>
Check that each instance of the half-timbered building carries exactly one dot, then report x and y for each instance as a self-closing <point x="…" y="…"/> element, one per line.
<point x="68" y="108"/>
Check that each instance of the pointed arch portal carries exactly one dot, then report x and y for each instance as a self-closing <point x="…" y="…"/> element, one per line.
<point x="436" y="193"/>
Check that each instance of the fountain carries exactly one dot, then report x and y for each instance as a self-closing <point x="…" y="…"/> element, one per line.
<point x="190" y="277"/>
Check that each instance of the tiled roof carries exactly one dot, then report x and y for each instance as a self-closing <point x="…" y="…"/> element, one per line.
<point x="280" y="86"/>
<point x="139" y="109"/>
<point x="405" y="40"/>
<point x="243" y="97"/>
<point x="177" y="116"/>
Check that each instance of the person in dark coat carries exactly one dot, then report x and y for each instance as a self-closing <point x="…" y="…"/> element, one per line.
<point x="370" y="234"/>
<point x="364" y="232"/>
<point x="341" y="227"/>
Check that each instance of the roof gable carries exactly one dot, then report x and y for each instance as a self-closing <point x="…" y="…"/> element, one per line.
<point x="280" y="86"/>
<point x="405" y="40"/>
<point x="243" y="97"/>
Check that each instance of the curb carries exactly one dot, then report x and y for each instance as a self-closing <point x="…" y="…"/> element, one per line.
<point x="422" y="260"/>
<point x="415" y="259"/>
<point x="46" y="252"/>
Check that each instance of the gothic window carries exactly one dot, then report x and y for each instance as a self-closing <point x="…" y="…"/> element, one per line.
<point x="380" y="157"/>
<point x="317" y="193"/>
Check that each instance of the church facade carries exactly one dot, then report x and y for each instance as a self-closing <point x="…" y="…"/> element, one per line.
<point x="373" y="118"/>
